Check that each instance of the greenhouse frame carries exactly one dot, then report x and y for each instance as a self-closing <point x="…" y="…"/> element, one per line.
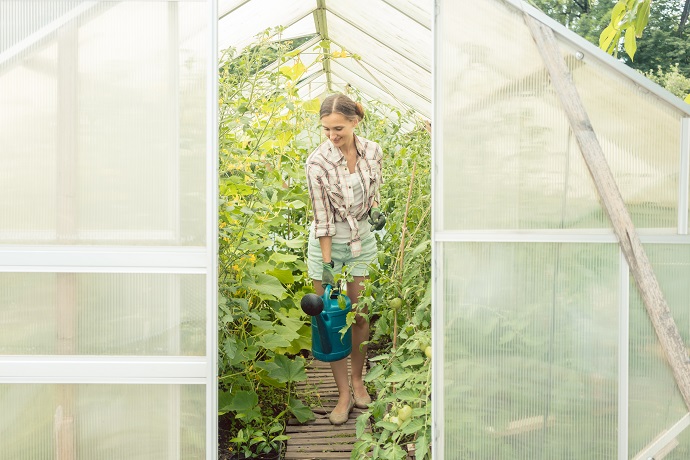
<point x="547" y="342"/>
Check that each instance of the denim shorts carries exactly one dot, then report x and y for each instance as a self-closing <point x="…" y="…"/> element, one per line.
<point x="341" y="255"/>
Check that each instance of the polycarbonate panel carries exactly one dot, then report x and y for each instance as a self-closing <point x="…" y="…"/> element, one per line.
<point x="641" y="144"/>
<point x="509" y="158"/>
<point x="419" y="10"/>
<point x="387" y="26"/>
<point x="104" y="132"/>
<point x="367" y="78"/>
<point x="530" y="350"/>
<point x="102" y="314"/>
<point x="14" y="32"/>
<point x="104" y="422"/>
<point x="389" y="61"/>
<point x="655" y="401"/>
<point x="301" y="28"/>
<point x="240" y="27"/>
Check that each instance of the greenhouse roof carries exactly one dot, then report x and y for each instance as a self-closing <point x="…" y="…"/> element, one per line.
<point x="392" y="40"/>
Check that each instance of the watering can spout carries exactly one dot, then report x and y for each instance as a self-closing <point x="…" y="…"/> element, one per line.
<point x="327" y="319"/>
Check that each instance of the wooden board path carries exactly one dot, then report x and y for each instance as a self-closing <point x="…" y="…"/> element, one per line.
<point x="318" y="439"/>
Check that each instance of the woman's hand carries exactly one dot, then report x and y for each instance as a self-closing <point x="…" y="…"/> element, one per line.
<point x="328" y="276"/>
<point x="376" y="218"/>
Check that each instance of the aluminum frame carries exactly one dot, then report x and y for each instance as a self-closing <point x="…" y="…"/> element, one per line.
<point x="158" y="370"/>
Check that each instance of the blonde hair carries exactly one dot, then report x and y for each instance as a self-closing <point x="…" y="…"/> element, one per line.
<point x="340" y="103"/>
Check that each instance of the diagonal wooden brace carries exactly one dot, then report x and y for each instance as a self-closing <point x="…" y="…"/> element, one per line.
<point x="640" y="267"/>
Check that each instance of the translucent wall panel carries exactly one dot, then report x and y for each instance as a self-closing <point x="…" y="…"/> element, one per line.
<point x="102" y="314"/>
<point x="510" y="161"/>
<point x="530" y="342"/>
<point x="105" y="422"/>
<point x="13" y="32"/>
<point x="103" y="132"/>
<point x="655" y="401"/>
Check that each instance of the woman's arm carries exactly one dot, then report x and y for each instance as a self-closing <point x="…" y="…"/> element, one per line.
<point x="326" y="243"/>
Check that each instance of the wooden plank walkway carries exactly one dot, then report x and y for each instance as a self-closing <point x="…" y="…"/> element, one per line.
<point x="318" y="439"/>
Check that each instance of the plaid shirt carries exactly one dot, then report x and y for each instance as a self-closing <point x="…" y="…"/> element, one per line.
<point x="332" y="199"/>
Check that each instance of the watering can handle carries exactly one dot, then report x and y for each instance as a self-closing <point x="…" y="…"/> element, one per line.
<point x="327" y="293"/>
<point x="321" y="324"/>
<point x="323" y="335"/>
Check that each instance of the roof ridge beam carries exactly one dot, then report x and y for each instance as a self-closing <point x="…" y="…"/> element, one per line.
<point x="322" y="30"/>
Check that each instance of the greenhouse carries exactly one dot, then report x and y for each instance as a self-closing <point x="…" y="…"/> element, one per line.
<point x="156" y="222"/>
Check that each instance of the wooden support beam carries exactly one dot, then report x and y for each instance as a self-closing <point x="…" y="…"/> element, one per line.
<point x="640" y="267"/>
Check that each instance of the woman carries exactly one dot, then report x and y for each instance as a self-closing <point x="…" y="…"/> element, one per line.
<point x="344" y="178"/>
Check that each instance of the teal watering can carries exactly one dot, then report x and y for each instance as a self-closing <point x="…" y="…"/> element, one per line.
<point x="327" y="319"/>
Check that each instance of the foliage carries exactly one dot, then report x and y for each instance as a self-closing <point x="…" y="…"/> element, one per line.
<point x="672" y="80"/>
<point x="628" y="19"/>
<point x="267" y="131"/>
<point x="663" y="55"/>
<point x="399" y="297"/>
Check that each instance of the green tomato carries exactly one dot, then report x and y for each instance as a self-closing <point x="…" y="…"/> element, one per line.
<point x="427" y="351"/>
<point x="396" y="303"/>
<point x="404" y="412"/>
<point x="396" y="420"/>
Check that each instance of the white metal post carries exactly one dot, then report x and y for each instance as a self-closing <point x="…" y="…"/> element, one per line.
<point x="437" y="284"/>
<point x="212" y="234"/>
<point x="684" y="176"/>
<point x="623" y="354"/>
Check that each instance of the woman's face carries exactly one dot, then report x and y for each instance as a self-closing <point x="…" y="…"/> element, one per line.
<point x="339" y="129"/>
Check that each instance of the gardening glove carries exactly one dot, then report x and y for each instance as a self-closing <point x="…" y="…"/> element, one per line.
<point x="328" y="276"/>
<point x="376" y="218"/>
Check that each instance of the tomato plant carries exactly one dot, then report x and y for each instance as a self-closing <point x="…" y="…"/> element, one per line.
<point x="266" y="133"/>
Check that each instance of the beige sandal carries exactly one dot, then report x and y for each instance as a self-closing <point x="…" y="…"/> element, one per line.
<point x="362" y="403"/>
<point x="338" y="418"/>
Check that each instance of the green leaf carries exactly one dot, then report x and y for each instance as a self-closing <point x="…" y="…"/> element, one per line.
<point x="642" y="17"/>
<point x="607" y="37"/>
<point x="414" y="426"/>
<point x="408" y="395"/>
<point x="268" y="287"/>
<point x="413" y="361"/>
<point x="380" y="357"/>
<point x="422" y="447"/>
<point x="630" y="42"/>
<point x="230" y="347"/>
<point x="390" y="426"/>
<point x="286" y="332"/>
<point x="295" y="243"/>
<point x="312" y="105"/>
<point x="288" y="370"/>
<point x="398" y="377"/>
<point x="301" y="412"/>
<point x="687" y="99"/>
<point x="617" y="14"/>
<point x="297" y="204"/>
<point x="280" y="258"/>
<point x="374" y="373"/>
<point x="243" y="401"/>
<point x="272" y="341"/>
<point x="284" y="276"/>
<point x="224" y="400"/>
